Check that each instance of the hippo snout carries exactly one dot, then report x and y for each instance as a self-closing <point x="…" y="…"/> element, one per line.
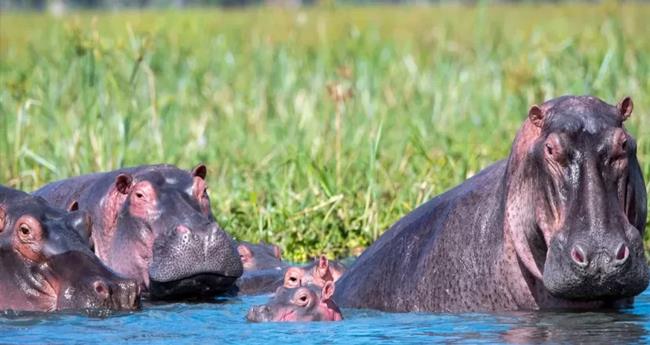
<point x="587" y="269"/>
<point x="198" y="261"/>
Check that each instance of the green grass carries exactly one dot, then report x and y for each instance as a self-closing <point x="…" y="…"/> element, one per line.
<point x="437" y="94"/>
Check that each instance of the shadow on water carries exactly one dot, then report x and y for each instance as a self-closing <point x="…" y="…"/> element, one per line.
<point x="222" y="321"/>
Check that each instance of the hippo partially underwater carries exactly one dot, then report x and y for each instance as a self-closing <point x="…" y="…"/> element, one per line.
<point x="559" y="224"/>
<point x="154" y="224"/>
<point x="298" y="304"/>
<point x="46" y="263"/>
<point x="264" y="270"/>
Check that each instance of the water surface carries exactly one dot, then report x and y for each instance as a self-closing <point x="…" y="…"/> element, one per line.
<point x="223" y="322"/>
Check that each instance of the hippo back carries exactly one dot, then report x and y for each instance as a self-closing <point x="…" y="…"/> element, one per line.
<point x="421" y="263"/>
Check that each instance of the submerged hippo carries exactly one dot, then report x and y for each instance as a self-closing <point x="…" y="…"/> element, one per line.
<point x="559" y="224"/>
<point x="154" y="224"/>
<point x="267" y="274"/>
<point x="46" y="263"/>
<point x="260" y="256"/>
<point x="263" y="268"/>
<point x="306" y="303"/>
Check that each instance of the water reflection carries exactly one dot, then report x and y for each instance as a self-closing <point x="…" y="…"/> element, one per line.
<point x="578" y="327"/>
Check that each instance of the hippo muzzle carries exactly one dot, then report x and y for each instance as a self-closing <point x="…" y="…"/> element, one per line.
<point x="589" y="270"/>
<point x="193" y="263"/>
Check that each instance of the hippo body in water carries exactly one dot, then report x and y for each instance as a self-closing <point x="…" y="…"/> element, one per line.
<point x="264" y="270"/>
<point x="298" y="304"/>
<point x="559" y="224"/>
<point x="46" y="263"/>
<point x="154" y="224"/>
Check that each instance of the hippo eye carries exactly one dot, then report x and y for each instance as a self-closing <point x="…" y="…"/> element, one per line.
<point x="302" y="300"/>
<point x="624" y="145"/>
<point x="24" y="229"/>
<point x="139" y="195"/>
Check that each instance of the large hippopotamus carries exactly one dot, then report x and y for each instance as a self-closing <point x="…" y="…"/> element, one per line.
<point x="154" y="224"/>
<point x="559" y="224"/>
<point x="46" y="263"/>
<point x="298" y="304"/>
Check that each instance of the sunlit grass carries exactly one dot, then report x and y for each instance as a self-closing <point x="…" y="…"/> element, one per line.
<point x="436" y="94"/>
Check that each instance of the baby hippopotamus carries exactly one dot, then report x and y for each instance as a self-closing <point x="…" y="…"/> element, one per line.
<point x="264" y="270"/>
<point x="317" y="273"/>
<point x="298" y="304"/>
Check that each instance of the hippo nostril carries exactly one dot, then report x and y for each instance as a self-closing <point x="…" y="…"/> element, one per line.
<point x="101" y="289"/>
<point x="182" y="230"/>
<point x="622" y="253"/>
<point x="578" y="255"/>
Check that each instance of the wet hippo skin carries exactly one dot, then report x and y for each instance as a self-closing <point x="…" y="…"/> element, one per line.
<point x="298" y="304"/>
<point x="264" y="270"/>
<point x="46" y="263"/>
<point x="154" y="224"/>
<point x="559" y="224"/>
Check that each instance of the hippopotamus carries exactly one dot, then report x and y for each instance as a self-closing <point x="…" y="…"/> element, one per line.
<point x="154" y="224"/>
<point x="317" y="273"/>
<point x="265" y="276"/>
<point x="260" y="256"/>
<point x="559" y="224"/>
<point x="46" y="263"/>
<point x="304" y="303"/>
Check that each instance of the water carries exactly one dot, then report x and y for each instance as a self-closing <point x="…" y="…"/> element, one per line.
<point x="223" y="322"/>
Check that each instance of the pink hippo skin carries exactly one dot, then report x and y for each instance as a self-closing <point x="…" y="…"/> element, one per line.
<point x="299" y="304"/>
<point x="46" y="263"/>
<point x="266" y="271"/>
<point x="317" y="273"/>
<point x="154" y="224"/>
<point x="559" y="224"/>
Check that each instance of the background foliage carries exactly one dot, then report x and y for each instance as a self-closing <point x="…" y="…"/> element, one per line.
<point x="320" y="127"/>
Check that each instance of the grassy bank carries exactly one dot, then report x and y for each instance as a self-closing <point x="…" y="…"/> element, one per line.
<point x="320" y="127"/>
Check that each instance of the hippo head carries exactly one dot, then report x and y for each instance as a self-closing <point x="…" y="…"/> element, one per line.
<point x="46" y="263"/>
<point x="577" y="201"/>
<point x="317" y="273"/>
<point x="261" y="256"/>
<point x="160" y="230"/>
<point x="305" y="303"/>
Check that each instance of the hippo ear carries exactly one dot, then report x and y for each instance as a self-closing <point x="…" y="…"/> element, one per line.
<point x="536" y="116"/>
<point x="3" y="216"/>
<point x="200" y="171"/>
<point x="323" y="266"/>
<point x="277" y="252"/>
<point x="625" y="107"/>
<point x="123" y="183"/>
<point x="245" y="253"/>
<point x="328" y="291"/>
